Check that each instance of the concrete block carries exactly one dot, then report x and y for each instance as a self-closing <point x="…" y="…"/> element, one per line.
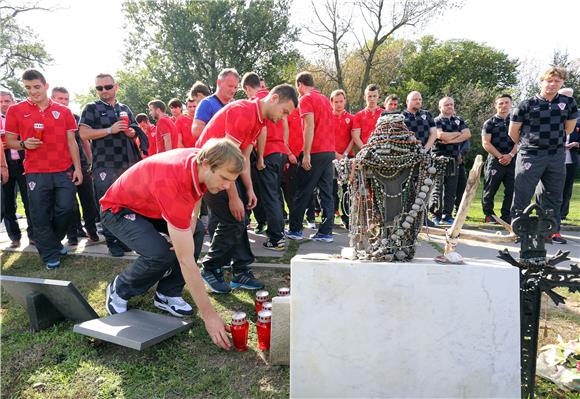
<point x="280" y="335"/>
<point x="404" y="330"/>
<point x="136" y="329"/>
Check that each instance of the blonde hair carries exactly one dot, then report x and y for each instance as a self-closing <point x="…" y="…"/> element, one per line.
<point x="338" y="92"/>
<point x="218" y="152"/>
<point x="554" y="71"/>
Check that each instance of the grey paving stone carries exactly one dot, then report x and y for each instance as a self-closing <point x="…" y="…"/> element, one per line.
<point x="135" y="329"/>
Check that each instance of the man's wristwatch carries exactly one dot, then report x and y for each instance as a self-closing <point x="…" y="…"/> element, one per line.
<point x="22" y="145"/>
<point x="109" y="130"/>
<point x="510" y="154"/>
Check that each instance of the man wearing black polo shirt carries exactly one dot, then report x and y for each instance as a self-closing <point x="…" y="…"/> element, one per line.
<point x="451" y="132"/>
<point x="539" y="125"/>
<point x="227" y="86"/>
<point x="500" y="164"/>
<point x="420" y="121"/>
<point x="112" y="144"/>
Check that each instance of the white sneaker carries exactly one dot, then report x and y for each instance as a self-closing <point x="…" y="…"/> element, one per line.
<point x="311" y="225"/>
<point x="114" y="303"/>
<point x="172" y="304"/>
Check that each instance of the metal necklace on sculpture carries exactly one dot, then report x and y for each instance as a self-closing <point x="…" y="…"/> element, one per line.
<point x="390" y="182"/>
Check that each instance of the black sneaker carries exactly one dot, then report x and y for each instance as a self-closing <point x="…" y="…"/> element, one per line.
<point x="246" y="280"/>
<point x="175" y="305"/>
<point x="81" y="233"/>
<point x="558" y="239"/>
<point x="214" y="279"/>
<point x="116" y="250"/>
<point x="275" y="245"/>
<point x="93" y="236"/>
<point x="124" y="247"/>
<point x="72" y="242"/>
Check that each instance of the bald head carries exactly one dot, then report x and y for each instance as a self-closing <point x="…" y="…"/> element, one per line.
<point x="414" y="101"/>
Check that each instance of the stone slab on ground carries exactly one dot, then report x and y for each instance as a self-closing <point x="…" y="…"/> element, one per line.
<point x="61" y="295"/>
<point x="280" y="334"/>
<point x="404" y="330"/>
<point x="135" y="329"/>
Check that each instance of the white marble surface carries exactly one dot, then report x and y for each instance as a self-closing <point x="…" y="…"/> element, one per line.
<point x="404" y="330"/>
<point x="280" y="336"/>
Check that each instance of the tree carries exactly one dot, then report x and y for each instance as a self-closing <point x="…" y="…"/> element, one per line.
<point x="20" y="48"/>
<point x="182" y="42"/>
<point x="328" y="30"/>
<point x="383" y="19"/>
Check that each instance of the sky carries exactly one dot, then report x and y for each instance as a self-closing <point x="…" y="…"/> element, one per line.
<point x="85" y="37"/>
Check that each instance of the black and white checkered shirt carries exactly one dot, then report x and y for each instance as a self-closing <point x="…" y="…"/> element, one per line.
<point x="419" y="123"/>
<point x="448" y="125"/>
<point x="542" y="131"/>
<point x="498" y="128"/>
<point x="114" y="151"/>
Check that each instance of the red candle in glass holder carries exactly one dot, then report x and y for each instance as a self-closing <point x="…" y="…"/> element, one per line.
<point x="264" y="326"/>
<point x="38" y="130"/>
<point x="261" y="297"/>
<point x="124" y="117"/>
<point x="283" y="291"/>
<point x="267" y="306"/>
<point x="239" y="330"/>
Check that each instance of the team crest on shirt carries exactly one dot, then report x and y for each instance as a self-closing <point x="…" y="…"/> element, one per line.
<point x="424" y="117"/>
<point x="562" y="106"/>
<point x="130" y="216"/>
<point x="527" y="166"/>
<point x="56" y="114"/>
<point x="102" y="175"/>
<point x="347" y="120"/>
<point x="493" y="172"/>
<point x="31" y="185"/>
<point x="457" y="122"/>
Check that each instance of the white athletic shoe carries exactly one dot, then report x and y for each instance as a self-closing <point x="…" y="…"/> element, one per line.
<point x="172" y="304"/>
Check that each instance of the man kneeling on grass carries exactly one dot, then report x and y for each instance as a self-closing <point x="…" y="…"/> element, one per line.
<point x="162" y="194"/>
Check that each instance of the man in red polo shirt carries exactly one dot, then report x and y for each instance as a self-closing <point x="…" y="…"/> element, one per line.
<point x="149" y="129"/>
<point x="316" y="165"/>
<point x="272" y="154"/>
<point x="241" y="121"/>
<point x="365" y="120"/>
<point x="166" y="134"/>
<point x="176" y="109"/>
<point x="343" y="145"/>
<point x="162" y="194"/>
<point x="183" y="125"/>
<point x="47" y="134"/>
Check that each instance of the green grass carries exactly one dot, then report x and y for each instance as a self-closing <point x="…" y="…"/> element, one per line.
<point x="476" y="216"/>
<point x="57" y="363"/>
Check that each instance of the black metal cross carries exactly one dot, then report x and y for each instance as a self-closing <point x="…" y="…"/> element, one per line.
<point x="537" y="274"/>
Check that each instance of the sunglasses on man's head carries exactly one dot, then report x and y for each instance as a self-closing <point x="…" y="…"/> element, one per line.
<point x="105" y="87"/>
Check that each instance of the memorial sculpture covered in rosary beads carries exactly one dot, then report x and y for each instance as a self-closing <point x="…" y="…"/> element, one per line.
<point x="389" y="185"/>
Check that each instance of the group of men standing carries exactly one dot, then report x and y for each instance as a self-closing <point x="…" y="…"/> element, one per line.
<point x="288" y="136"/>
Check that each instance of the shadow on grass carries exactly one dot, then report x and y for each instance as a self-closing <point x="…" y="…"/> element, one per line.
<point x="56" y="363"/>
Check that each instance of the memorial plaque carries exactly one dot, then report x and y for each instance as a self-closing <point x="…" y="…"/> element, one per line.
<point x="47" y="301"/>
<point x="135" y="329"/>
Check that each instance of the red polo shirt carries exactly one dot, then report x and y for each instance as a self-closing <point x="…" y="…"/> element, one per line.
<point x="53" y="154"/>
<point x="183" y="126"/>
<point x="240" y="121"/>
<point x="295" y="134"/>
<point x="366" y="120"/>
<point x="318" y="105"/>
<point x="342" y="129"/>
<point x="165" y="126"/>
<point x="152" y="138"/>
<point x="165" y="186"/>
<point x="275" y="131"/>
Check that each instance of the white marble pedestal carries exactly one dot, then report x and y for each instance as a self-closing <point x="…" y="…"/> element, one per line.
<point x="404" y="330"/>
